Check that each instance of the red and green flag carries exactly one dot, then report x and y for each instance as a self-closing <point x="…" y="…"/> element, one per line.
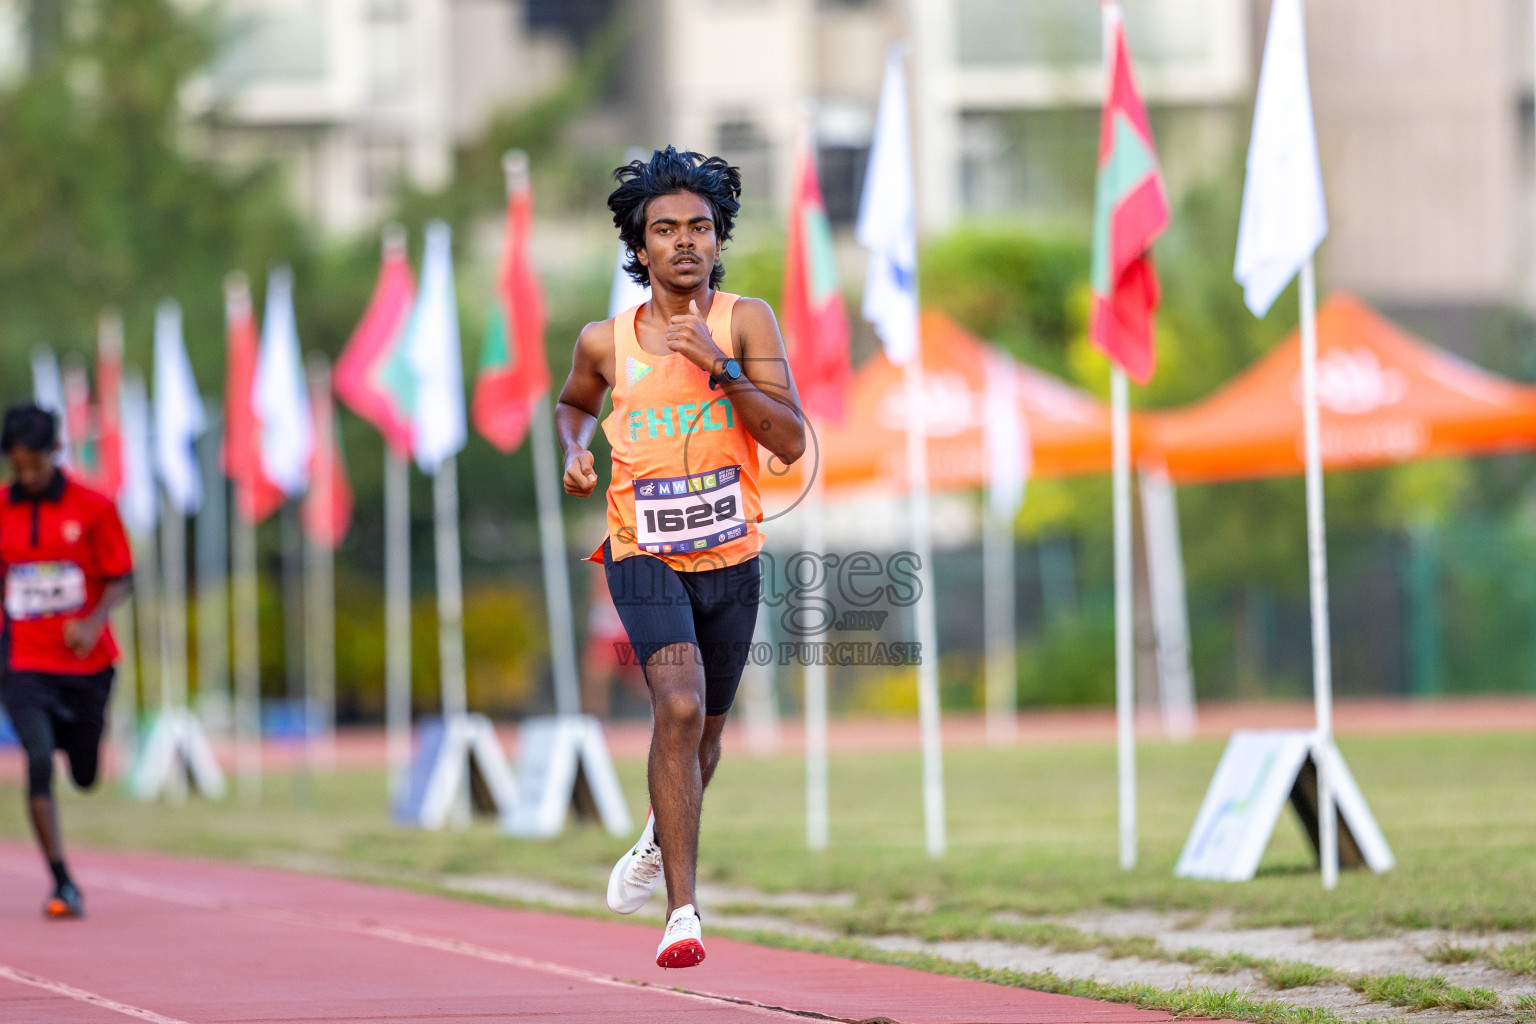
<point x="514" y="371"/>
<point x="1130" y="211"/>
<point x="815" y="322"/>
<point x="373" y="375"/>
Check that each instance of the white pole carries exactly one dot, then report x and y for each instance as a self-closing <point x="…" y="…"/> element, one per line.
<point x="213" y="586"/>
<point x="557" y="581"/>
<point x="817" y="815"/>
<point x="247" y="652"/>
<point x="173" y="625"/>
<point x="450" y="589"/>
<point x="1125" y="639"/>
<point x="1317" y="571"/>
<point x="997" y="555"/>
<point x="546" y="474"/>
<point x="125" y="694"/>
<point x="320" y="586"/>
<point x="146" y="593"/>
<point x="397" y="617"/>
<point x="927" y="626"/>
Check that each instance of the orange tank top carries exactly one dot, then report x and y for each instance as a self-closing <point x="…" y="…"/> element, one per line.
<point x="684" y="480"/>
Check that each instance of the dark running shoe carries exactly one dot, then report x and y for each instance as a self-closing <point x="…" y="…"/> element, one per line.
<point x="66" y="901"/>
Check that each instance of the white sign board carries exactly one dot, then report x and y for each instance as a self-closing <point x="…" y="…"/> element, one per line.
<point x="177" y="751"/>
<point x="562" y="761"/>
<point x="453" y="754"/>
<point x="1259" y="773"/>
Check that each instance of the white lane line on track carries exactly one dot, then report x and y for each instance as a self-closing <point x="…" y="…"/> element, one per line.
<point x="170" y="894"/>
<point x="80" y="995"/>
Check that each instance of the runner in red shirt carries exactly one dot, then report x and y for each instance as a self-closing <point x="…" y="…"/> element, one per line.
<point x="65" y="563"/>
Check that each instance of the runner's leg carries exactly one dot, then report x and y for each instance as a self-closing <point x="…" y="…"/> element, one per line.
<point x="673" y="771"/>
<point x="34" y="727"/>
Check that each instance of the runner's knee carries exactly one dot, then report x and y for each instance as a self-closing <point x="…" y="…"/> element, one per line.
<point x="39" y="772"/>
<point x="679" y="708"/>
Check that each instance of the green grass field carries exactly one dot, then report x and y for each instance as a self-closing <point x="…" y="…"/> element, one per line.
<point x="1032" y="832"/>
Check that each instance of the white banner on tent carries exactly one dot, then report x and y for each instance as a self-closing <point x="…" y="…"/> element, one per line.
<point x="1260" y="771"/>
<point x="556" y="755"/>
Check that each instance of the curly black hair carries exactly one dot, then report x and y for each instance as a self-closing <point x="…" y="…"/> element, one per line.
<point x="29" y="426"/>
<point x="667" y="173"/>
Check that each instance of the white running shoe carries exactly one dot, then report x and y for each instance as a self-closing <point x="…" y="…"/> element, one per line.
<point x="683" y="944"/>
<point x="637" y="873"/>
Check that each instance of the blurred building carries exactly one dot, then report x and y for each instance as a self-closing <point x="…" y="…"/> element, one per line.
<point x="356" y="97"/>
<point x="1005" y="93"/>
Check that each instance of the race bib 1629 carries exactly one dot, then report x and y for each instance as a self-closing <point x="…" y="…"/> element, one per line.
<point x="675" y="515"/>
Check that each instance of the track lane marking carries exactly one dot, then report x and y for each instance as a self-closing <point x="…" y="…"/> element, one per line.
<point x="80" y="995"/>
<point x="159" y="891"/>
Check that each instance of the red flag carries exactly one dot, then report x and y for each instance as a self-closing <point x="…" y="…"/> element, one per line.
<point x="327" y="512"/>
<point x="1130" y="211"/>
<point x="514" y="372"/>
<point x="109" y="421"/>
<point x="372" y="375"/>
<point x="256" y="497"/>
<point x="77" y="423"/>
<point x="815" y="322"/>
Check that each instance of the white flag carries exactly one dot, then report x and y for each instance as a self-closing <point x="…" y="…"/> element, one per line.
<point x="625" y="293"/>
<point x="48" y="394"/>
<point x="1009" y="457"/>
<point x="279" y="394"/>
<point x="178" y="413"/>
<point x="136" y="500"/>
<point x="1284" y="218"/>
<point x="888" y="220"/>
<point x="438" y="428"/>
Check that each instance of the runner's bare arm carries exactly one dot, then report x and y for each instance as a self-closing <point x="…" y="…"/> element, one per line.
<point x="80" y="635"/>
<point x="765" y="398"/>
<point x="581" y="402"/>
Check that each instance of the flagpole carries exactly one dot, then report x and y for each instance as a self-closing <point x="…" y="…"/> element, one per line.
<point x="557" y="583"/>
<point x="817" y="815"/>
<point x="247" y="648"/>
<point x="1125" y="640"/>
<point x="997" y="557"/>
<point x="173" y="626"/>
<point x="450" y="589"/>
<point x="125" y="694"/>
<point x="546" y="475"/>
<point x="927" y="625"/>
<point x="397" y="617"/>
<point x="213" y="584"/>
<point x="320" y="579"/>
<point x="1317" y="571"/>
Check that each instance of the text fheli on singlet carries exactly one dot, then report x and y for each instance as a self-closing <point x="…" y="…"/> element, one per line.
<point x="684" y="483"/>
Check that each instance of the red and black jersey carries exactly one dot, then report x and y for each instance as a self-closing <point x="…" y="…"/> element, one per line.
<point x="58" y="552"/>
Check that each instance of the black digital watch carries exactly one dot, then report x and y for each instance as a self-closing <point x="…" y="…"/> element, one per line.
<point x="729" y="374"/>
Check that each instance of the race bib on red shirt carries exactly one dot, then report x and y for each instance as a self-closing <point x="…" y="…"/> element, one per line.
<point x="38" y="590"/>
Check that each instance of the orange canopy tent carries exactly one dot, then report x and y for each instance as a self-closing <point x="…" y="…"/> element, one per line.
<point x="1383" y="395"/>
<point x="1068" y="427"/>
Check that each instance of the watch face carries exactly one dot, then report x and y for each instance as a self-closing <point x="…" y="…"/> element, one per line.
<point x="733" y="369"/>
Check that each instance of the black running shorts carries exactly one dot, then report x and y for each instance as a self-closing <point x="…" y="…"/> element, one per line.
<point x="58" y="712"/>
<point x="715" y="610"/>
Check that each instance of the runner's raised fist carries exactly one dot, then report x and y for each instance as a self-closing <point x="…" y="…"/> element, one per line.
<point x="579" y="475"/>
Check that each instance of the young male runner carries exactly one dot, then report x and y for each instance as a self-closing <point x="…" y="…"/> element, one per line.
<point x="65" y="562"/>
<point x="699" y="380"/>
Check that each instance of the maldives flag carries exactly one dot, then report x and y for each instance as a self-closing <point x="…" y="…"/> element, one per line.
<point x="514" y="373"/>
<point x="815" y="322"/>
<point x="1130" y="211"/>
<point x="256" y="497"/>
<point x="109" y="419"/>
<point x="373" y="376"/>
<point x="77" y="423"/>
<point x="327" y="512"/>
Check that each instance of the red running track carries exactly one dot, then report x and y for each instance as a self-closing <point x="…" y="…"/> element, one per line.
<point x="191" y="942"/>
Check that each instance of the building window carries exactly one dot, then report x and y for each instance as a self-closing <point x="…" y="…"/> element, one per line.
<point x="1068" y="33"/>
<point x="742" y="142"/>
<point x="386" y="27"/>
<point x="842" y="180"/>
